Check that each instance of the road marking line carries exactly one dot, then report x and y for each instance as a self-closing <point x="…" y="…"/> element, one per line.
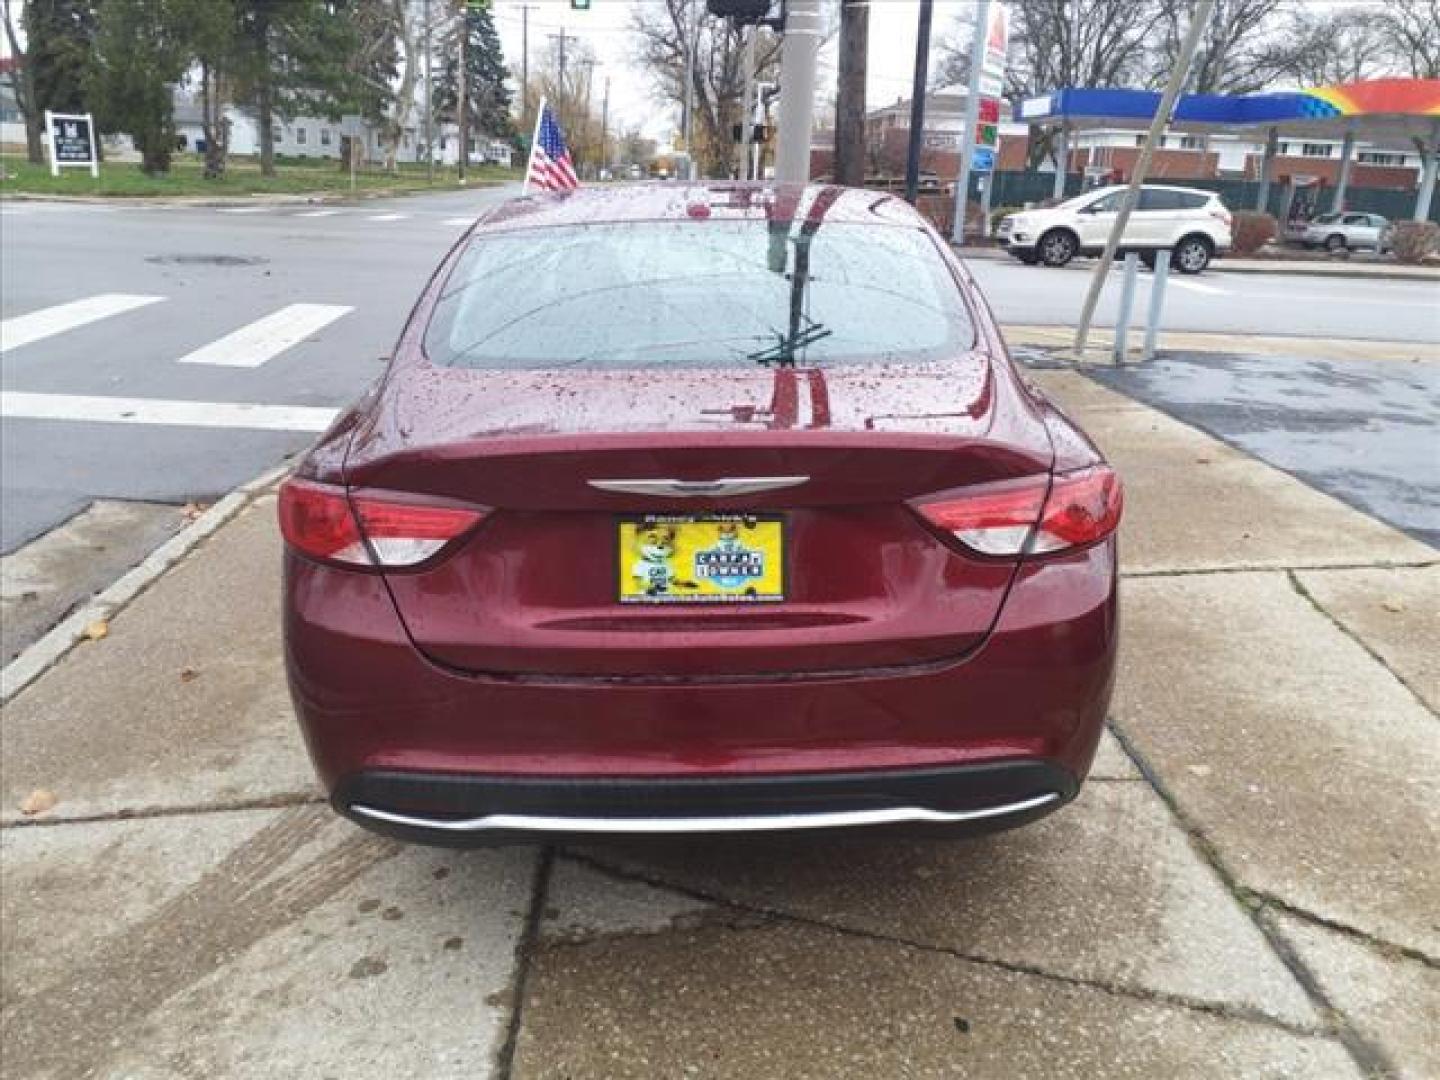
<point x="460" y="221"/>
<point x="19" y="405"/>
<point x="318" y="213"/>
<point x="266" y="338"/>
<point x="37" y="325"/>
<point x="244" y="209"/>
<point x="387" y="217"/>
<point x="1195" y="286"/>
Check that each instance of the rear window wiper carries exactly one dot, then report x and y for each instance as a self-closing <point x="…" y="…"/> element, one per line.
<point x="786" y="345"/>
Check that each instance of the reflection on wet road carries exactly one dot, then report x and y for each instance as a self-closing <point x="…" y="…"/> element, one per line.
<point x="1366" y="433"/>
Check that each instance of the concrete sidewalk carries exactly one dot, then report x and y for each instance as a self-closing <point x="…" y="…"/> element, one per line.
<point x="1246" y="887"/>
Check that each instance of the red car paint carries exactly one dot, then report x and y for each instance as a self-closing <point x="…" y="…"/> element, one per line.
<point x="505" y="655"/>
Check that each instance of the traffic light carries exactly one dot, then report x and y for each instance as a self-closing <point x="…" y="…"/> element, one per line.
<point x="579" y="5"/>
<point x="742" y="11"/>
<point x="476" y="5"/>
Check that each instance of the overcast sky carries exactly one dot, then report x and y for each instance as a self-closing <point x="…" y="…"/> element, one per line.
<point x="633" y="100"/>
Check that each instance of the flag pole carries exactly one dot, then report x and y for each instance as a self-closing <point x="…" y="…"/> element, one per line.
<point x="534" y="141"/>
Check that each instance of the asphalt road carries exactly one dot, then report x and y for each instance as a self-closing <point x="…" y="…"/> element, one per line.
<point x="1283" y="304"/>
<point x="219" y="339"/>
<point x="333" y="282"/>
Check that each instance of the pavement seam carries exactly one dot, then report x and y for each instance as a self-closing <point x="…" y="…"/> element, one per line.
<point x="266" y="802"/>
<point x="1339" y="624"/>
<point x="40" y="656"/>
<point x="1118" y="990"/>
<point x="1387" y="950"/>
<point x="1252" y="568"/>
<point x="524" y="960"/>
<point x="1369" y="1057"/>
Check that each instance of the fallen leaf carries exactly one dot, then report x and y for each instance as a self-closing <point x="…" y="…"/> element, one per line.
<point x="97" y="630"/>
<point x="192" y="510"/>
<point x="1393" y="603"/>
<point x="37" y="802"/>
<point x="1203" y="460"/>
<point x="189" y="675"/>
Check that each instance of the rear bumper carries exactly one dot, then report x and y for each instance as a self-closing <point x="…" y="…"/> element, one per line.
<point x="441" y="808"/>
<point x="391" y="731"/>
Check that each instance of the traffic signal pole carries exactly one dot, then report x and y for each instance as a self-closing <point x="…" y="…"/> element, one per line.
<point x="799" y="48"/>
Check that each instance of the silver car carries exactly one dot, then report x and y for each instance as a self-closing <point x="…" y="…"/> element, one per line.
<point x="1341" y="232"/>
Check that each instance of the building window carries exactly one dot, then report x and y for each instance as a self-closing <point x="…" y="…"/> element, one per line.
<point x="1283" y="149"/>
<point x="1372" y="157"/>
<point x="1139" y="140"/>
<point x="300" y="135"/>
<point x="1189" y="142"/>
<point x="324" y="136"/>
<point x="1315" y="149"/>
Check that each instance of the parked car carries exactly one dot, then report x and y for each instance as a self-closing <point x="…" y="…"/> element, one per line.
<point x="1193" y="224"/>
<point x="1340" y="232"/>
<point x="642" y="533"/>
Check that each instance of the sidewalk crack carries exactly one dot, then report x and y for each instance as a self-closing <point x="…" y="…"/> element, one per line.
<point x="1369" y="1057"/>
<point x="1299" y="587"/>
<point x="524" y="960"/>
<point x="265" y="802"/>
<point x="1387" y="950"/>
<point x="1198" y="571"/>
<point x="1113" y="989"/>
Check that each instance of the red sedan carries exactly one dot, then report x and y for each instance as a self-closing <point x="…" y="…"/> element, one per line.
<point x="700" y="509"/>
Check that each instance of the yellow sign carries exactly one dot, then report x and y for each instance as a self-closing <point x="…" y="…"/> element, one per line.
<point x="702" y="558"/>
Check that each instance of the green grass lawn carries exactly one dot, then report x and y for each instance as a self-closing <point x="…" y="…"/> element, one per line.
<point x="242" y="177"/>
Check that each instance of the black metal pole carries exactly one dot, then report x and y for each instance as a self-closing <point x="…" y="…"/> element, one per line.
<point x="917" y="102"/>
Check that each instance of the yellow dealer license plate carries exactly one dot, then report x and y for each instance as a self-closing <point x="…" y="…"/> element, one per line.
<point x="702" y="558"/>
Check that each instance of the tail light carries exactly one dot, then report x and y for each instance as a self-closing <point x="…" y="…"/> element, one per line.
<point x="1036" y="516"/>
<point x="327" y="523"/>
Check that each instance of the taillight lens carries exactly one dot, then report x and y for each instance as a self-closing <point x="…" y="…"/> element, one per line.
<point x="324" y="522"/>
<point x="1017" y="518"/>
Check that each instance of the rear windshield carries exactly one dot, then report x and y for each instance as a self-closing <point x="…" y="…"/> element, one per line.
<point x="698" y="294"/>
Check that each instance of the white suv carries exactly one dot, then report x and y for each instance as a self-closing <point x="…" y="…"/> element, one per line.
<point x="1192" y="223"/>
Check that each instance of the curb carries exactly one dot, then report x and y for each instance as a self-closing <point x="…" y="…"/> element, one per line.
<point x="1297" y="268"/>
<point x="257" y="199"/>
<point x="44" y="654"/>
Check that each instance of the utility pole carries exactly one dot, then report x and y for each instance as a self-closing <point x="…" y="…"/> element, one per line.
<point x="1163" y="112"/>
<point x="747" y="124"/>
<point x="850" y="101"/>
<point x="429" y="99"/>
<point x="582" y="129"/>
<point x="972" y="117"/>
<point x="917" y="102"/>
<point x="799" y="47"/>
<point x="525" y="10"/>
<point x="605" y="126"/>
<point x="560" y="88"/>
<point x="462" y="79"/>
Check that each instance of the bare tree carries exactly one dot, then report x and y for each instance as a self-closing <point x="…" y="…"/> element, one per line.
<point x="1241" y="50"/>
<point x="1325" y="46"/>
<point x="1410" y="32"/>
<point x="665" y="32"/>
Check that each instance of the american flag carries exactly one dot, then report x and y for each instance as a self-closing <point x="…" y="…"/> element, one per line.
<point x="550" y="167"/>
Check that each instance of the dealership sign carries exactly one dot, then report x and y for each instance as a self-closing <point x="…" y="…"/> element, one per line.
<point x="72" y="142"/>
<point x="997" y="44"/>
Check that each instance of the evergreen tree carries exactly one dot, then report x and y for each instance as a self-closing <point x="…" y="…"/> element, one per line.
<point x="139" y="54"/>
<point x="487" y="105"/>
<point x="55" y="64"/>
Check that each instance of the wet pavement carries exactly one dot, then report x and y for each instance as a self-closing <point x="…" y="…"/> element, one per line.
<point x="1365" y="433"/>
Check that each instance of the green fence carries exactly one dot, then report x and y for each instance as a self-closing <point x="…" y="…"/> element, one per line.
<point x="1019" y="188"/>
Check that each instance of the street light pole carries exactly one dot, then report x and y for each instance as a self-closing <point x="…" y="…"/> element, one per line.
<point x="461" y="95"/>
<point x="972" y="118"/>
<point x="605" y="126"/>
<point x="687" y="123"/>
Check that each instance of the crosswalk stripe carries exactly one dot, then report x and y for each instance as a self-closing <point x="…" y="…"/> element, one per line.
<point x="20" y="405"/>
<point x="387" y="217"/>
<point x="263" y="339"/>
<point x="318" y="213"/>
<point x="37" y="325"/>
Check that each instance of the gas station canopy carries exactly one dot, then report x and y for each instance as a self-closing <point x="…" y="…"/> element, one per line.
<point x="1388" y="113"/>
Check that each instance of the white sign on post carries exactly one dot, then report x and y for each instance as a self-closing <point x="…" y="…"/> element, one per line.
<point x="72" y="142"/>
<point x="997" y="44"/>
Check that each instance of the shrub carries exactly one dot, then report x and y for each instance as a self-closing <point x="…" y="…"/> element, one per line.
<point x="1250" y="231"/>
<point x="1412" y="241"/>
<point x="999" y="214"/>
